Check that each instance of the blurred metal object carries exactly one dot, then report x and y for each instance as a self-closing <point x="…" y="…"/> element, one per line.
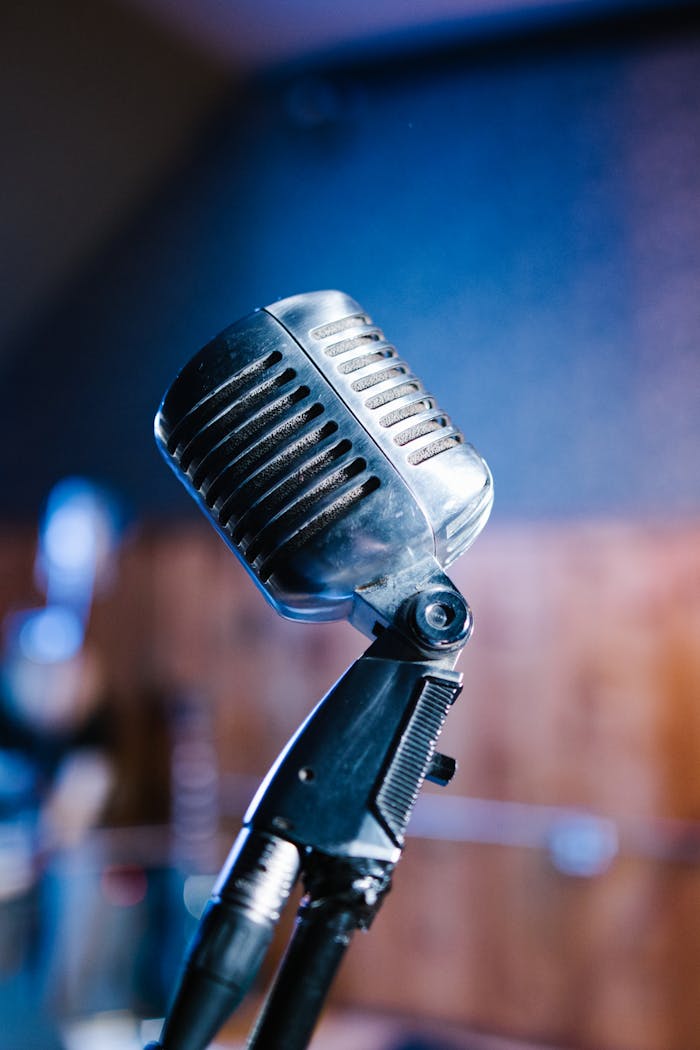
<point x="78" y="541"/>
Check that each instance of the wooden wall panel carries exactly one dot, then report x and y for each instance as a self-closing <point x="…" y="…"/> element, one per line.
<point x="582" y="689"/>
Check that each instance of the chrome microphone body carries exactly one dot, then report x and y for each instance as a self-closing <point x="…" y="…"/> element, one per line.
<point x="322" y="460"/>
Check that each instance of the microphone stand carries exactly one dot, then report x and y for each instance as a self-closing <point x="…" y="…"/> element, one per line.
<point x="342" y="896"/>
<point x="335" y="806"/>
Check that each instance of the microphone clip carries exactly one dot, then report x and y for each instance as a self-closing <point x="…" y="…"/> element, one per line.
<point x="334" y="808"/>
<point x="346" y="783"/>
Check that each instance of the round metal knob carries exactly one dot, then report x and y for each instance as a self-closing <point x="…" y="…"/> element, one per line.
<point x="440" y="618"/>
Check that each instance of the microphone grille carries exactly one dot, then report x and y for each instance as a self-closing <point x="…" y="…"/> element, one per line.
<point x="286" y="426"/>
<point x="265" y="457"/>
<point x="364" y="360"/>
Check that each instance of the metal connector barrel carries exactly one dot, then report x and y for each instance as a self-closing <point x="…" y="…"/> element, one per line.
<point x="232" y="938"/>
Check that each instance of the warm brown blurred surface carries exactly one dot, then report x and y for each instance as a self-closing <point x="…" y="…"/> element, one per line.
<point x="582" y="689"/>
<point x="339" y="1029"/>
<point x="347" y="1029"/>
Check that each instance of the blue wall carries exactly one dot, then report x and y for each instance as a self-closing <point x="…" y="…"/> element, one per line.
<point x="523" y="223"/>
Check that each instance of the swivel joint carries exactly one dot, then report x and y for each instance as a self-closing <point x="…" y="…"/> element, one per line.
<point x="439" y="619"/>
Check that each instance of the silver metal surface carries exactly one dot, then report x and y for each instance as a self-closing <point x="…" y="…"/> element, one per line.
<point x="446" y="475"/>
<point x="258" y="875"/>
<point x="323" y="461"/>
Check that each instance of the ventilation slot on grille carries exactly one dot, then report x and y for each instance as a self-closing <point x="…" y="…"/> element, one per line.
<point x="336" y="510"/>
<point x="379" y="377"/>
<point x="393" y="393"/>
<point x="345" y="345"/>
<point x="219" y="452"/>
<point x="195" y="418"/>
<point x="202" y="441"/>
<point x="341" y="325"/>
<point x="278" y="448"/>
<point x="356" y="363"/>
<point x="239" y="489"/>
<point x="406" y="411"/>
<point x="428" y="426"/>
<point x="297" y="513"/>
<point x="273" y="501"/>
<point x="435" y="448"/>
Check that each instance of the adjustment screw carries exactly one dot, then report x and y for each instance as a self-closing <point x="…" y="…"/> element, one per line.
<point x="440" y="619"/>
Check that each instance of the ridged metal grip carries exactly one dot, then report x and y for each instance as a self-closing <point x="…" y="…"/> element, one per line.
<point x="232" y="938"/>
<point x="411" y="760"/>
<point x="259" y="875"/>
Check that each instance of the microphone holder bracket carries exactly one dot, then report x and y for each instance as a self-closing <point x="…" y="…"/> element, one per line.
<point x="383" y="718"/>
<point x="346" y="783"/>
<point x="341" y="896"/>
<point x="341" y="794"/>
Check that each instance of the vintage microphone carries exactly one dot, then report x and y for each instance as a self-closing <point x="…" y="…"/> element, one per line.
<point x="345" y="491"/>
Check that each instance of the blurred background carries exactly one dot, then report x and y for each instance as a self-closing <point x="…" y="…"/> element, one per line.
<point x="512" y="190"/>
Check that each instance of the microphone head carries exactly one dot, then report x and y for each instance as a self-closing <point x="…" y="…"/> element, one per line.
<point x="321" y="459"/>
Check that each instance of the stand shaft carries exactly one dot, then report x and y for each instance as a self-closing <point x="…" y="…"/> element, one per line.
<point x="321" y="936"/>
<point x="342" y="896"/>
